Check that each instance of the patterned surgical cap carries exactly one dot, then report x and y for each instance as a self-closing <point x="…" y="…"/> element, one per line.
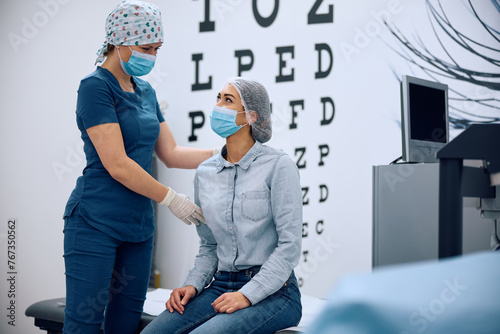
<point x="132" y="23"/>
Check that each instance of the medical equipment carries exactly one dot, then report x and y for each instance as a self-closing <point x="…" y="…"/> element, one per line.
<point x="478" y="142"/>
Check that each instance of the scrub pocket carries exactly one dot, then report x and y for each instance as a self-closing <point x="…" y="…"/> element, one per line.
<point x="68" y="212"/>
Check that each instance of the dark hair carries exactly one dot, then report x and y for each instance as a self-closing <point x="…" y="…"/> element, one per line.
<point x="111" y="47"/>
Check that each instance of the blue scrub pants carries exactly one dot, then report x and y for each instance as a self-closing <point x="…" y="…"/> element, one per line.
<point x="280" y="310"/>
<point x="106" y="279"/>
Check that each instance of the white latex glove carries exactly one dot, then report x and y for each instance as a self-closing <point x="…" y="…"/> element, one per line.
<point x="182" y="207"/>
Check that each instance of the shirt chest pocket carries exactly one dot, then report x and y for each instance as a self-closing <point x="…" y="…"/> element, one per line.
<point x="255" y="205"/>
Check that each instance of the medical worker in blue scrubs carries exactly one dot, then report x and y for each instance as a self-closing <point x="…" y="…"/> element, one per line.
<point x="109" y="220"/>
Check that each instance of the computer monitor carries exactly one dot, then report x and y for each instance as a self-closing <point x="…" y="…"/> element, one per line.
<point x="424" y="119"/>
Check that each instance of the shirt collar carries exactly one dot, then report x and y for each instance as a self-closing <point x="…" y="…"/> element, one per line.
<point x="137" y="89"/>
<point x="243" y="163"/>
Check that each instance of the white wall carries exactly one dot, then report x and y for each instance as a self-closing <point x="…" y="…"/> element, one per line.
<point x="49" y="45"/>
<point x="364" y="85"/>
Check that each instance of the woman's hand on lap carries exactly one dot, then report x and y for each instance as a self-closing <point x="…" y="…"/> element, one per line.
<point x="231" y="302"/>
<point x="179" y="298"/>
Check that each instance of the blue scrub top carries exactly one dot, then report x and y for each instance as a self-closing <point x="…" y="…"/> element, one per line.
<point x="103" y="202"/>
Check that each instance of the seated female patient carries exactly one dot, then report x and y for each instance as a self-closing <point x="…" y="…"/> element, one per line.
<point x="250" y="194"/>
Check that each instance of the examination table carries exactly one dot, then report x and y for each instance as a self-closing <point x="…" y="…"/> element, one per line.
<point x="49" y="314"/>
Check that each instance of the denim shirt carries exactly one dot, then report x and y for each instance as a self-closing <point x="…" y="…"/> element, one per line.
<point x="253" y="211"/>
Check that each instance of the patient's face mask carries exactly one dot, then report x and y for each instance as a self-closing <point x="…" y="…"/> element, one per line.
<point x="138" y="64"/>
<point x="223" y="121"/>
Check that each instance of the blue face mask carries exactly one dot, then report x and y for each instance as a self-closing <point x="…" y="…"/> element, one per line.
<point x="139" y="63"/>
<point x="223" y="121"/>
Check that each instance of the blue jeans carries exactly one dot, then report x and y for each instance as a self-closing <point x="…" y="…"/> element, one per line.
<point x="280" y="310"/>
<point x="106" y="279"/>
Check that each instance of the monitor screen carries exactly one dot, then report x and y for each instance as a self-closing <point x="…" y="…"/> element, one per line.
<point x="427" y="106"/>
<point x="424" y="118"/>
